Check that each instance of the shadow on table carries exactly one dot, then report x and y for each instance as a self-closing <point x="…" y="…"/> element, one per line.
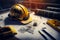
<point x="13" y="38"/>
<point x="9" y="21"/>
<point x="10" y="38"/>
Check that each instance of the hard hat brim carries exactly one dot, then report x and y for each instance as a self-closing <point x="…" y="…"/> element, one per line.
<point x="27" y="21"/>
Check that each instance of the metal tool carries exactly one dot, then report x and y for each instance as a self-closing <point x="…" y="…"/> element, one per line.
<point x="54" y="24"/>
<point x="48" y="34"/>
<point x="43" y="35"/>
<point x="7" y="32"/>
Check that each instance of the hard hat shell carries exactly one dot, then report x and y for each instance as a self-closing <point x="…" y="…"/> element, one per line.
<point x="22" y="9"/>
<point x="21" y="13"/>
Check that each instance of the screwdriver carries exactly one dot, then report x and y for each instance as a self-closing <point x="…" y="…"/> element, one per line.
<point x="43" y="35"/>
<point x="48" y="34"/>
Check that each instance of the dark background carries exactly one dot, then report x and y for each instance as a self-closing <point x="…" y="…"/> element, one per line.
<point x="8" y="3"/>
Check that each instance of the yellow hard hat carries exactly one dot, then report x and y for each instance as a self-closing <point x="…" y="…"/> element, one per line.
<point x="21" y="13"/>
